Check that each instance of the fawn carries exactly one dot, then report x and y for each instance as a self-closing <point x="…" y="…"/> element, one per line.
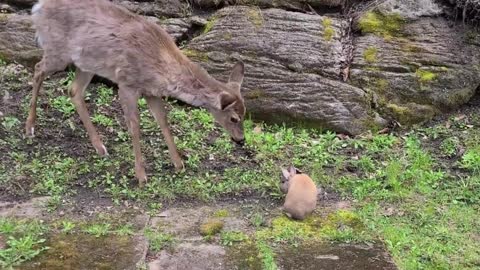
<point x="99" y="37"/>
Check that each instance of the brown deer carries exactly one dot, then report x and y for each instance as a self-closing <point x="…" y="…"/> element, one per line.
<point x="99" y="37"/>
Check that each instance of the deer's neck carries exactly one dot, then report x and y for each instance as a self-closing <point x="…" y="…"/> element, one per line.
<point x="193" y="89"/>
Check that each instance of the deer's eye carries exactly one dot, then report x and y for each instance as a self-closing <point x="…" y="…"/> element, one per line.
<point x="234" y="120"/>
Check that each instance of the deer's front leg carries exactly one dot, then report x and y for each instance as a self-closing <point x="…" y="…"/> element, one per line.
<point x="157" y="107"/>
<point x="128" y="100"/>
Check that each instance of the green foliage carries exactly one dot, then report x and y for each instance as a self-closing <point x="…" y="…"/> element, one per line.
<point x="471" y="160"/>
<point x="157" y="240"/>
<point x="98" y="230"/>
<point x="10" y="122"/>
<point x="230" y="238"/>
<point x="24" y="241"/>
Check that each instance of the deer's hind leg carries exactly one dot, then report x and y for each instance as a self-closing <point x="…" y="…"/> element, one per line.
<point x="44" y="68"/>
<point x="77" y="92"/>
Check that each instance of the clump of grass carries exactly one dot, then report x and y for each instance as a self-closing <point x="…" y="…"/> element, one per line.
<point x="98" y="230"/>
<point x="232" y="237"/>
<point x="211" y="227"/>
<point x="24" y="241"/>
<point x="221" y="213"/>
<point x="158" y="240"/>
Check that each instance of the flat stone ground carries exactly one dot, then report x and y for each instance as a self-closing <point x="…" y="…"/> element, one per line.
<point x="190" y="250"/>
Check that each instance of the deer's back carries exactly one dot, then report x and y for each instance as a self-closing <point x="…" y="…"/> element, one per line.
<point x="301" y="198"/>
<point x="101" y="37"/>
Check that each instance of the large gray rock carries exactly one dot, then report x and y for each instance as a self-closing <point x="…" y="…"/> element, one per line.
<point x="288" y="4"/>
<point x="17" y="40"/>
<point x="414" y="69"/>
<point x="293" y="64"/>
<point x="157" y="8"/>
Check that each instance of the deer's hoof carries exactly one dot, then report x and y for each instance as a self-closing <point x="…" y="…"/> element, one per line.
<point x="101" y="150"/>
<point x="179" y="166"/>
<point x="30" y="132"/>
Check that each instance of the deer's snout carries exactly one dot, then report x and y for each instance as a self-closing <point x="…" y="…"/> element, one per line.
<point x="240" y="142"/>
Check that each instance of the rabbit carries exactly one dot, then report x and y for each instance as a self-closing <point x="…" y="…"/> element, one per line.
<point x="301" y="192"/>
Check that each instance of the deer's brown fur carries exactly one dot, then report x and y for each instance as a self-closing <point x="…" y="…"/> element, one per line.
<point x="99" y="37"/>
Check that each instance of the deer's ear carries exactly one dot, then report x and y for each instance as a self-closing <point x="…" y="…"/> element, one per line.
<point x="225" y="100"/>
<point x="237" y="73"/>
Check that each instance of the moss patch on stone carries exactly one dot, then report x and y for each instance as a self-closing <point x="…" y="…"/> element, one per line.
<point x="340" y="225"/>
<point x="209" y="25"/>
<point x="254" y="94"/>
<point x="328" y="31"/>
<point x="194" y="54"/>
<point x="425" y="76"/>
<point x="254" y="15"/>
<point x="411" y="113"/>
<point x="384" y="25"/>
<point x="370" y="54"/>
<point x="211" y="227"/>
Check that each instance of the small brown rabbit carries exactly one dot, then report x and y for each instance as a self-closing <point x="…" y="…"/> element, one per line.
<point x="301" y="192"/>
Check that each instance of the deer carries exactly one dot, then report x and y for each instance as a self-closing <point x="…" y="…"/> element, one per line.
<point x="101" y="38"/>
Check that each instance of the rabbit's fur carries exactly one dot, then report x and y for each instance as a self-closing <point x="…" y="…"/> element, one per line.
<point x="301" y="192"/>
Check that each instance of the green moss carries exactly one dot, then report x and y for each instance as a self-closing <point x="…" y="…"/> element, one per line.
<point x="327" y="22"/>
<point x="412" y="48"/>
<point x="409" y="114"/>
<point x="211" y="227"/>
<point x="425" y="76"/>
<point x="194" y="54"/>
<point x="3" y="17"/>
<point x="254" y="16"/>
<point x="221" y="213"/>
<point x="370" y="54"/>
<point x="384" y="25"/>
<point x="209" y="25"/>
<point x="227" y="36"/>
<point x="254" y="94"/>
<point x="328" y="31"/>
<point x="339" y="225"/>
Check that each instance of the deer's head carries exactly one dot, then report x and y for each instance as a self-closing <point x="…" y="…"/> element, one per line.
<point x="229" y="110"/>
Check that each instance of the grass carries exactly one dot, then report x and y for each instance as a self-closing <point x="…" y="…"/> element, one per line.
<point x="24" y="241"/>
<point x="417" y="191"/>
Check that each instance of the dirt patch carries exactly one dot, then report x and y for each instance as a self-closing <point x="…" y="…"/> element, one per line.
<point x="86" y="252"/>
<point x="320" y="256"/>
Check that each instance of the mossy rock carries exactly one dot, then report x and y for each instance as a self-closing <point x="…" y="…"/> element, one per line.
<point x="411" y="113"/>
<point x="211" y="227"/>
<point x="385" y="25"/>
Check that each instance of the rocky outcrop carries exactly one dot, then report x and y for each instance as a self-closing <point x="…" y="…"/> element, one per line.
<point x="413" y="66"/>
<point x="293" y="63"/>
<point x="17" y="40"/>
<point x="403" y="60"/>
<point x="157" y="8"/>
<point x="285" y="4"/>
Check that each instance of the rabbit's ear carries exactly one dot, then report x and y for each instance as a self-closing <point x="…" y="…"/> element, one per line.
<point x="293" y="171"/>
<point x="285" y="174"/>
